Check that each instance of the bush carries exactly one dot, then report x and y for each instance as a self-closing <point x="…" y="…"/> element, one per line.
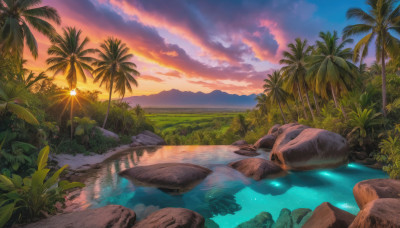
<point x="390" y="153"/>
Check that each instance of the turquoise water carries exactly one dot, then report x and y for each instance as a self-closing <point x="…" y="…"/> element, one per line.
<point x="225" y="196"/>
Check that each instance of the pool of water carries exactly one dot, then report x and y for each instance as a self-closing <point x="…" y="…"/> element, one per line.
<point x="225" y="196"/>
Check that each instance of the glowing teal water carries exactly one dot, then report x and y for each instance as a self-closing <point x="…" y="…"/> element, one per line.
<point x="296" y="190"/>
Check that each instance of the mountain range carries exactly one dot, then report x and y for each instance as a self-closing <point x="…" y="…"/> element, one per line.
<point x="184" y="99"/>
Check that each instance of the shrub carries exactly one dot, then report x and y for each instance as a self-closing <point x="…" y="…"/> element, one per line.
<point x="390" y="153"/>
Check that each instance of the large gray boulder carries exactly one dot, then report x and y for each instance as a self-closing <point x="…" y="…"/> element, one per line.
<point x="383" y="213"/>
<point x="299" y="147"/>
<point x="328" y="216"/>
<point x="108" y="134"/>
<point x="257" y="168"/>
<point x="111" y="216"/>
<point x="172" y="218"/>
<point x="266" y="141"/>
<point x="369" y="190"/>
<point x="147" y="138"/>
<point x="178" y="177"/>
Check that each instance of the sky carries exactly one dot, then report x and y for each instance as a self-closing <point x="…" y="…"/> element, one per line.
<point x="198" y="45"/>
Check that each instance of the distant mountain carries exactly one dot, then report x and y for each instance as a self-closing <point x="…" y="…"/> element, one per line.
<point x="180" y="99"/>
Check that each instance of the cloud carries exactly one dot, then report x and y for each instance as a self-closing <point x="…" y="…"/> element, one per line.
<point x="172" y="73"/>
<point x="150" y="78"/>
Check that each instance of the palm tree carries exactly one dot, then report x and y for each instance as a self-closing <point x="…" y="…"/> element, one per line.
<point x="70" y="57"/>
<point x="383" y="17"/>
<point x="16" y="19"/>
<point x="273" y="87"/>
<point x="13" y="99"/>
<point x="262" y="102"/>
<point x="329" y="68"/>
<point x="114" y="69"/>
<point x="294" y="71"/>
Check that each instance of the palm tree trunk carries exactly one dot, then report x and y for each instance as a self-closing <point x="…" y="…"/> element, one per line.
<point x="309" y="106"/>
<point x="283" y="116"/>
<point x="316" y="103"/>
<point x="71" y="115"/>
<point x="109" y="103"/>
<point x="302" y="101"/>
<point x="290" y="110"/>
<point x="336" y="103"/>
<point x="383" y="82"/>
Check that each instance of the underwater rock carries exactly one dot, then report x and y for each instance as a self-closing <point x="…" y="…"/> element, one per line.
<point x="257" y="168"/>
<point x="300" y="217"/>
<point x="328" y="216"/>
<point x="176" y="177"/>
<point x="147" y="138"/>
<point x="284" y="220"/>
<point x="220" y="202"/>
<point x="240" y="143"/>
<point x="111" y="216"/>
<point x="383" y="213"/>
<point x="262" y="220"/>
<point x="210" y="224"/>
<point x="246" y="153"/>
<point x="172" y="217"/>
<point x="369" y="190"/>
<point x="266" y="141"/>
<point x="299" y="147"/>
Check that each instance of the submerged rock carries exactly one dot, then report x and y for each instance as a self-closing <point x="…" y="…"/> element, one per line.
<point x="284" y="220"/>
<point x="210" y="224"/>
<point x="221" y="202"/>
<point x="266" y="141"/>
<point x="240" y="143"/>
<point x="299" y="147"/>
<point x="369" y="190"/>
<point x="383" y="213"/>
<point x="178" y="177"/>
<point x="147" y="138"/>
<point x="246" y="153"/>
<point x="262" y="220"/>
<point x="300" y="217"/>
<point x="328" y="216"/>
<point x="257" y="168"/>
<point x="172" y="217"/>
<point x="111" y="216"/>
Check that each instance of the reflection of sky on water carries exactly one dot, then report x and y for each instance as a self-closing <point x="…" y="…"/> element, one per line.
<point x="296" y="190"/>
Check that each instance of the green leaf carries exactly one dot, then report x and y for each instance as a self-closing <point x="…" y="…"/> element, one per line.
<point x="6" y="213"/>
<point x="43" y="157"/>
<point x="65" y="185"/>
<point x="5" y="183"/>
<point x="53" y="179"/>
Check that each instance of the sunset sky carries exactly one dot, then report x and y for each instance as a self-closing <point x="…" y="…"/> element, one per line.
<point x="199" y="45"/>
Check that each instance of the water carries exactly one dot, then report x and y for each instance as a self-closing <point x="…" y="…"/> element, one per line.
<point x="225" y="190"/>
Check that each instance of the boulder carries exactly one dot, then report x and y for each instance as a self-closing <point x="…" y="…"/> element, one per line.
<point x="299" y="147"/>
<point x="328" y="216"/>
<point x="111" y="216"/>
<point x="172" y="217"/>
<point x="108" y="134"/>
<point x="240" y="143"/>
<point x="147" y="138"/>
<point x="246" y="153"/>
<point x="300" y="217"/>
<point x="210" y="224"/>
<point x="248" y="147"/>
<point x="257" y="168"/>
<point x="382" y="213"/>
<point x="266" y="141"/>
<point x="262" y="220"/>
<point x="178" y="177"/>
<point x="274" y="130"/>
<point x="284" y="220"/>
<point x="369" y="190"/>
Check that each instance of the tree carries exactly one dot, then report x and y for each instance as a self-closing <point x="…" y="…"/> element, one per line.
<point x="382" y="19"/>
<point x="70" y="57"/>
<point x="262" y="102"/>
<point x="114" y="69"/>
<point x="294" y="71"/>
<point x="330" y="69"/>
<point x="16" y="18"/>
<point x="273" y="87"/>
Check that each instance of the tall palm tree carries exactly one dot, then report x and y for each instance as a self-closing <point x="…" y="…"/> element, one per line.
<point x="70" y="56"/>
<point x="382" y="19"/>
<point x="294" y="70"/>
<point x="273" y="87"/>
<point x="114" y="69"/>
<point x="16" y="19"/>
<point x="262" y="102"/>
<point x="330" y="69"/>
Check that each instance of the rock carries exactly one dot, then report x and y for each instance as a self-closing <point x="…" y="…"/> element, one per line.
<point x="262" y="220"/>
<point x="383" y="213"/>
<point x="300" y="217"/>
<point x="108" y="134"/>
<point x="248" y="147"/>
<point x="179" y="177"/>
<point x="111" y="216"/>
<point x="147" y="138"/>
<point x="284" y="220"/>
<point x="369" y="190"/>
<point x="221" y="202"/>
<point x="211" y="224"/>
<point x="274" y="130"/>
<point x="172" y="217"/>
<point x="359" y="155"/>
<point x="257" y="168"/>
<point x="239" y="143"/>
<point x="299" y="147"/>
<point x="246" y="153"/>
<point x="328" y="216"/>
<point x="266" y="141"/>
<point x="142" y="211"/>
